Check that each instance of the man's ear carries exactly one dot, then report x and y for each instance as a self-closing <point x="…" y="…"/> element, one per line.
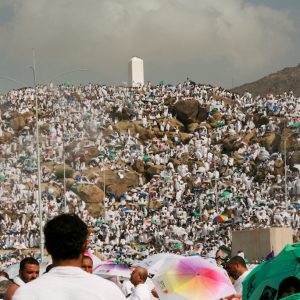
<point x="84" y="246"/>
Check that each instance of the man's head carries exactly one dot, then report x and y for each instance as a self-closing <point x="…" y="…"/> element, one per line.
<point x="87" y="264"/>
<point x="29" y="269"/>
<point x="289" y="286"/>
<point x="65" y="237"/>
<point x="139" y="275"/>
<point x="236" y="266"/>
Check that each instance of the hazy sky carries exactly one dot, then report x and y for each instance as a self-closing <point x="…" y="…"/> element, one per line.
<point x="221" y="42"/>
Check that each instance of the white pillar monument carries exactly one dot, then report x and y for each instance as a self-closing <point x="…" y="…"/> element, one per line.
<point x="135" y="72"/>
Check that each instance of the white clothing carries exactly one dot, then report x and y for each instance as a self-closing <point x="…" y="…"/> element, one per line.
<point x="238" y="283"/>
<point x="127" y="288"/>
<point x="19" y="281"/>
<point x="141" y="292"/>
<point x="62" y="283"/>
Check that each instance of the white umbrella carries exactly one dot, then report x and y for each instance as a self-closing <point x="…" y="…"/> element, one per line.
<point x="154" y="262"/>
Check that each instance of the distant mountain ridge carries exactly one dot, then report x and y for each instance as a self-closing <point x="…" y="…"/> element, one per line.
<point x="277" y="83"/>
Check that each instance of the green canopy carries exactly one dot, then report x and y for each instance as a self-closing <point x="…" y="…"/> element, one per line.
<point x="67" y="83"/>
<point x="265" y="278"/>
<point x="2" y="177"/>
<point x="74" y="188"/>
<point x="294" y="125"/>
<point x="292" y="297"/>
<point x="195" y="213"/>
<point x="177" y="246"/>
<point x="225" y="194"/>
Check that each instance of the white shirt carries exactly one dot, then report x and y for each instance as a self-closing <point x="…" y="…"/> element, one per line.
<point x="141" y="292"/>
<point x="63" y="283"/>
<point x="238" y="283"/>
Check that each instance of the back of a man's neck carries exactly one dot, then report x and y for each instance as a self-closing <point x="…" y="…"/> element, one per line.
<point x="67" y="262"/>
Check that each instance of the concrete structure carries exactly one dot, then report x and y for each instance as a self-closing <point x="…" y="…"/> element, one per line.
<point x="135" y="72"/>
<point x="257" y="243"/>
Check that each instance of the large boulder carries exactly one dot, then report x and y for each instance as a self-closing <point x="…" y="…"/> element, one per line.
<point x="125" y="114"/>
<point x="189" y="111"/>
<point x="174" y="124"/>
<point x="169" y="101"/>
<point x="112" y="182"/>
<point x="6" y="138"/>
<point x="279" y="167"/>
<point x="193" y="127"/>
<point x="249" y="136"/>
<point x="144" y="134"/>
<point x="96" y="209"/>
<point x="238" y="159"/>
<point x="153" y="170"/>
<point x="90" y="193"/>
<point x="86" y="154"/>
<point x="294" y="158"/>
<point x="18" y="123"/>
<point x="138" y="166"/>
<point x="123" y="126"/>
<point x="51" y="189"/>
<point x="270" y="141"/>
<point x="185" y="137"/>
<point x="228" y="142"/>
<point x="61" y="170"/>
<point x="260" y="120"/>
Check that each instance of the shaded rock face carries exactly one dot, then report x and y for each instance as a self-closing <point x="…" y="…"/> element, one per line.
<point x="294" y="158"/>
<point x="138" y="166"/>
<point x="87" y="154"/>
<point x="228" y="143"/>
<point x="189" y="111"/>
<point x="96" y="209"/>
<point x="125" y="114"/>
<point x="111" y="181"/>
<point x="19" y="121"/>
<point x="78" y="150"/>
<point x="135" y="128"/>
<point x="90" y="193"/>
<point x="59" y="171"/>
<point x="153" y="170"/>
<point x="6" y="138"/>
<point x="47" y="187"/>
<point x="279" y="167"/>
<point x="260" y="120"/>
<point x="193" y="127"/>
<point x="93" y="196"/>
<point x="271" y="141"/>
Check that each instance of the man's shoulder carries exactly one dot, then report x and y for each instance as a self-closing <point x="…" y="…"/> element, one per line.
<point x="36" y="288"/>
<point x="11" y="291"/>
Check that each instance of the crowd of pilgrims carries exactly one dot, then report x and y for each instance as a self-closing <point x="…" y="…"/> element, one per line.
<point x="187" y="220"/>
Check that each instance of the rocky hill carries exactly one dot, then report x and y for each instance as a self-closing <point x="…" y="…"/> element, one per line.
<point x="285" y="80"/>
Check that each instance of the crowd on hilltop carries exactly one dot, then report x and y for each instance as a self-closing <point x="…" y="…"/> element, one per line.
<point x="203" y="190"/>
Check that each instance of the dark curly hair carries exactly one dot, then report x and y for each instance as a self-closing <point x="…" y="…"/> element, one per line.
<point x="28" y="261"/>
<point x="64" y="236"/>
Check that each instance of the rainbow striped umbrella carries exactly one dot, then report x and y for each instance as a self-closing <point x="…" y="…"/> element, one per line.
<point x="192" y="278"/>
<point x="220" y="219"/>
